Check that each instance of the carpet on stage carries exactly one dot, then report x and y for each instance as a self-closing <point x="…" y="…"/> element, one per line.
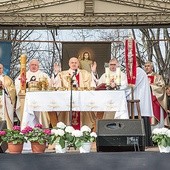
<point x="88" y="161"/>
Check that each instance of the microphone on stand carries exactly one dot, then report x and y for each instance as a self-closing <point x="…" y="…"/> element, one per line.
<point x="71" y="96"/>
<point x="74" y="84"/>
<point x="74" y="73"/>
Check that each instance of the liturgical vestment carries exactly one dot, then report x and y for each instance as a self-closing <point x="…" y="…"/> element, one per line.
<point x="82" y="80"/>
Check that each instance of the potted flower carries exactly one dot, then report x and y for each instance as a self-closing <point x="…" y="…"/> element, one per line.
<point x="68" y="136"/>
<point x="83" y="138"/>
<point x="87" y="138"/>
<point x="161" y="136"/>
<point x="63" y="137"/>
<point x="14" y="138"/>
<point x="77" y="136"/>
<point x="38" y="137"/>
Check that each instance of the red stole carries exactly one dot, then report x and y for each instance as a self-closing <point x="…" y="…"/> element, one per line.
<point x="151" y="79"/>
<point x="156" y="107"/>
<point x="155" y="104"/>
<point x="75" y="114"/>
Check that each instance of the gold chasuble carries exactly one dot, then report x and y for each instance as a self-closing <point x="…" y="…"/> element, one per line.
<point x="82" y="80"/>
<point x="7" y="100"/>
<point x="158" y="94"/>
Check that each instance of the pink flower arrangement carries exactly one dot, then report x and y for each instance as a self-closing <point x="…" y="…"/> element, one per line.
<point x="37" y="134"/>
<point x="15" y="135"/>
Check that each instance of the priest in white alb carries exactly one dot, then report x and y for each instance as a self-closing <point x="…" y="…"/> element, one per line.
<point x="32" y="75"/>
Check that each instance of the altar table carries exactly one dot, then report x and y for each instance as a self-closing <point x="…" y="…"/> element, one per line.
<point x="92" y="101"/>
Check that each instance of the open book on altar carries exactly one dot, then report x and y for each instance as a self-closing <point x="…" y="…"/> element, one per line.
<point x="101" y="87"/>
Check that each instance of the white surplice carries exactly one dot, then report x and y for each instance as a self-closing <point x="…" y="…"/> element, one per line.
<point x="43" y="117"/>
<point x="143" y="93"/>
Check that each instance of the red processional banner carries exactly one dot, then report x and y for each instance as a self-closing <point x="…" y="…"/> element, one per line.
<point x="130" y="59"/>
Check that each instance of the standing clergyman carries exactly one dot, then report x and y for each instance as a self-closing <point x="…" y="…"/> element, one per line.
<point x="7" y="98"/>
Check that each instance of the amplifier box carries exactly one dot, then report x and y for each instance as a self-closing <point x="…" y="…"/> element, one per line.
<point x="120" y="135"/>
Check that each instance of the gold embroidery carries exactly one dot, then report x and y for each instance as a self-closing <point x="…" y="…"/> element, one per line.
<point x="111" y="105"/>
<point x="53" y="105"/>
<point x="75" y="118"/>
<point x="33" y="105"/>
<point x="92" y="105"/>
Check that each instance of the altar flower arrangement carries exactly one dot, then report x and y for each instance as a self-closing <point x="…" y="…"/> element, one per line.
<point x="77" y="135"/>
<point x="37" y="134"/>
<point x="161" y="136"/>
<point x="67" y="135"/>
<point x="13" y="135"/>
<point x="84" y="135"/>
<point x="88" y="136"/>
<point x="63" y="134"/>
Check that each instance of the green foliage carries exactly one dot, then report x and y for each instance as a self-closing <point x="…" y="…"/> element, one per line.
<point x="62" y="137"/>
<point x="39" y="135"/>
<point x="68" y="135"/>
<point x="77" y="143"/>
<point x="161" y="139"/>
<point x="161" y="136"/>
<point x="14" y="136"/>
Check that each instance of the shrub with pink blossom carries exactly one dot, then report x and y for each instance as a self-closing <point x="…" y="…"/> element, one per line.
<point x="14" y="135"/>
<point x="37" y="134"/>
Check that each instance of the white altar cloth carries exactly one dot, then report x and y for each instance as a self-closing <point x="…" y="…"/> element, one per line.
<point x="107" y="101"/>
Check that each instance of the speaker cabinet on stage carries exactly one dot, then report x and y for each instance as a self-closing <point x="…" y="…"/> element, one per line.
<point x="120" y="135"/>
<point x="3" y="146"/>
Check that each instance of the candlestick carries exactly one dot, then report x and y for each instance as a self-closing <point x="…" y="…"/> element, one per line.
<point x="23" y="73"/>
<point x="107" y="74"/>
<point x="118" y="76"/>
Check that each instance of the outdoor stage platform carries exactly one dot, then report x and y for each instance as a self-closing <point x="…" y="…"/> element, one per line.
<point x="149" y="159"/>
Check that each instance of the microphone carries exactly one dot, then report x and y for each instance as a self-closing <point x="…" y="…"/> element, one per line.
<point x="75" y="72"/>
<point x="71" y="96"/>
<point x="72" y="81"/>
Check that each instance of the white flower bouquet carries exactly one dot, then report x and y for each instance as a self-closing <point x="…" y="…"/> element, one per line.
<point x="83" y="135"/>
<point x="88" y="136"/>
<point x="63" y="134"/>
<point x="161" y="136"/>
<point x="67" y="134"/>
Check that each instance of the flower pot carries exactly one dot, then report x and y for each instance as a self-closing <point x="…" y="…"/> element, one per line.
<point x="86" y="147"/>
<point x="163" y="149"/>
<point x="38" y="148"/>
<point x="59" y="149"/>
<point x="15" y="148"/>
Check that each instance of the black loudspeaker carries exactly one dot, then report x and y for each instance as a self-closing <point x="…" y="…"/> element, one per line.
<point x="120" y="135"/>
<point x="3" y="146"/>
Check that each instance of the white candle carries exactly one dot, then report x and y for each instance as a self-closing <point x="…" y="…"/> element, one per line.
<point x="107" y="72"/>
<point x="118" y="76"/>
